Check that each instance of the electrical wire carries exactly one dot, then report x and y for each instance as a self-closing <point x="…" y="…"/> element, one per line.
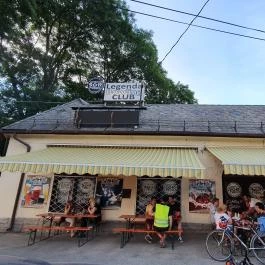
<point x="203" y="17"/>
<point x="195" y="25"/>
<point x="51" y="102"/>
<point x="39" y="101"/>
<point x="180" y="37"/>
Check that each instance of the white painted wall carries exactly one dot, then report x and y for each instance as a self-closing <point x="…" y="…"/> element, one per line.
<point x="9" y="181"/>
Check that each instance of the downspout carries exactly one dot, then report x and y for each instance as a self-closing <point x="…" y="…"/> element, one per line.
<point x="3" y="153"/>
<point x="20" y="185"/>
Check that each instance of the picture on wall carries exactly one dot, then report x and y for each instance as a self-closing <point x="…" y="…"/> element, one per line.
<point x="36" y="191"/>
<point x="201" y="192"/>
<point x="109" y="192"/>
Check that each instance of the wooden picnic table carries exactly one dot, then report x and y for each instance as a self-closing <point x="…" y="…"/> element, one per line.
<point x="134" y="218"/>
<point x="131" y="219"/>
<point x="48" y="218"/>
<point x="78" y="215"/>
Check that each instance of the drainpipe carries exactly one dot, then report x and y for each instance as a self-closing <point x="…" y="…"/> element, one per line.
<point x="5" y="145"/>
<point x="20" y="186"/>
<point x="3" y="153"/>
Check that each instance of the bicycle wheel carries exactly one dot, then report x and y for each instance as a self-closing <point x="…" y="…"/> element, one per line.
<point x="258" y="247"/>
<point x="219" y="245"/>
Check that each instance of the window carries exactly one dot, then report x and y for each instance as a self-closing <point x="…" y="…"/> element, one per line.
<point x="156" y="187"/>
<point x="71" y="188"/>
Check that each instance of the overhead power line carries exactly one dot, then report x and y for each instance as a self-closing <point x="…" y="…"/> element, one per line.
<point x="52" y="102"/>
<point x="170" y="50"/>
<point x="203" y="17"/>
<point x="39" y="101"/>
<point x="195" y="25"/>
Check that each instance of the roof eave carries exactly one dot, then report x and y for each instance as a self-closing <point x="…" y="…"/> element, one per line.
<point x="133" y="132"/>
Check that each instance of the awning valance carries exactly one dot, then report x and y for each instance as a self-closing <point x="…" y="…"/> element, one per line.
<point x="241" y="160"/>
<point x="162" y="162"/>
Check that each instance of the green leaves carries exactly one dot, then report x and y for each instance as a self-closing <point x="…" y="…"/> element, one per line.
<point x="49" y="49"/>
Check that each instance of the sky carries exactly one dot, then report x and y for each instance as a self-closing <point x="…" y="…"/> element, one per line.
<point x="219" y="68"/>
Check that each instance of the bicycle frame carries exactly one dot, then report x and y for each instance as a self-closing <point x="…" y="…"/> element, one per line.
<point x="222" y="244"/>
<point x="253" y="232"/>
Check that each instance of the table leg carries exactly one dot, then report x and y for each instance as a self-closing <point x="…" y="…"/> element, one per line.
<point x="123" y="241"/>
<point x="172" y="241"/>
<point x="50" y="225"/>
<point x="32" y="237"/>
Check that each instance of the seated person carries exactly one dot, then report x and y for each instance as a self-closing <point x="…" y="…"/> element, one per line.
<point x="175" y="217"/>
<point x="222" y="219"/>
<point x="93" y="209"/>
<point x="149" y="221"/>
<point x="252" y="205"/>
<point x="260" y="209"/>
<point x="229" y="211"/>
<point x="245" y="206"/>
<point x="161" y="221"/>
<point x="69" y="209"/>
<point x="212" y="210"/>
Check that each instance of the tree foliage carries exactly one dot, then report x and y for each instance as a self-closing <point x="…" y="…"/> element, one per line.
<point x="49" y="49"/>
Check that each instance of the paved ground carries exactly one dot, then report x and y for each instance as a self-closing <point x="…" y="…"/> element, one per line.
<point x="103" y="250"/>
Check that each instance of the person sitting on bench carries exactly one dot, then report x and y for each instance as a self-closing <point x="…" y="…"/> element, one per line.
<point x="69" y="209"/>
<point x="149" y="218"/>
<point x="161" y="222"/>
<point x="93" y="209"/>
<point x="175" y="217"/>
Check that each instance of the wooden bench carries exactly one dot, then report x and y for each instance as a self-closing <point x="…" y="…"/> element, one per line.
<point x="82" y="240"/>
<point x="125" y="234"/>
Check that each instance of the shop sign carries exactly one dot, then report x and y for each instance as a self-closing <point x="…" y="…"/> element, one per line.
<point x="96" y="85"/>
<point x="86" y="186"/>
<point x="65" y="185"/>
<point x="170" y="187"/>
<point x="256" y="190"/>
<point x="234" y="190"/>
<point x="64" y="190"/>
<point x="148" y="187"/>
<point x="132" y="91"/>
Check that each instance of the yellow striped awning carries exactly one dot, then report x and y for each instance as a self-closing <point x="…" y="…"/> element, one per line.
<point x="127" y="161"/>
<point x="241" y="160"/>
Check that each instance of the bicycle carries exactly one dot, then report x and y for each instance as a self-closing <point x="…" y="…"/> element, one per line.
<point x="220" y="244"/>
<point x="233" y="261"/>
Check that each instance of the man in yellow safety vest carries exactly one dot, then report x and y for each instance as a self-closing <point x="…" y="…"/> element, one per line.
<point x="161" y="221"/>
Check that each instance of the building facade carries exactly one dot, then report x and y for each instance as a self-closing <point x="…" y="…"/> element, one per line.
<point x="123" y="156"/>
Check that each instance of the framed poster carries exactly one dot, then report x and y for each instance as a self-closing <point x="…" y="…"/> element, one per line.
<point x="201" y="192"/>
<point x="109" y="192"/>
<point x="36" y="191"/>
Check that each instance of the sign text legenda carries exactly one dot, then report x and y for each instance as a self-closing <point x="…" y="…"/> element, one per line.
<point x="133" y="91"/>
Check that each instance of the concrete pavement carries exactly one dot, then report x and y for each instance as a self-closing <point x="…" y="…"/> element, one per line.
<point x="104" y="250"/>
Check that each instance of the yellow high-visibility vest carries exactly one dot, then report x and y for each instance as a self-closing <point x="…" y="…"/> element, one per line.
<point x="161" y="215"/>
